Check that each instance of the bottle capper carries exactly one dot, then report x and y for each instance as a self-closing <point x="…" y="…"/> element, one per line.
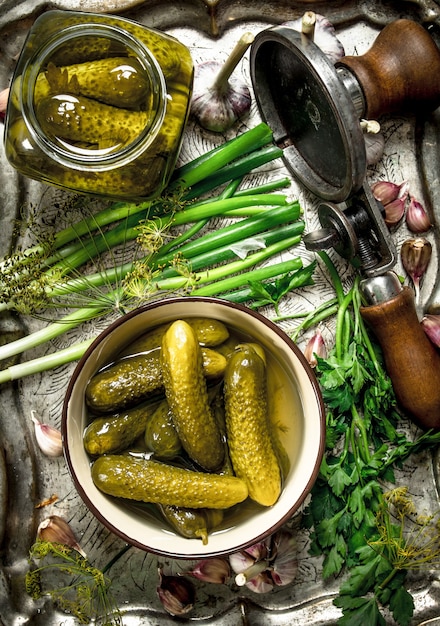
<point x="314" y="108"/>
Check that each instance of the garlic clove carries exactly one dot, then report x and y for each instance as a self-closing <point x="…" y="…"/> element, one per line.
<point x="56" y="530"/>
<point x="4" y="96"/>
<point x="240" y="561"/>
<point x="386" y="191"/>
<point x="417" y="218"/>
<point x="48" y="438"/>
<point x="315" y="347"/>
<point x="415" y="255"/>
<point x="258" y="550"/>
<point x="431" y="325"/>
<point x="394" y="212"/>
<point x="211" y="570"/>
<point x="176" y="594"/>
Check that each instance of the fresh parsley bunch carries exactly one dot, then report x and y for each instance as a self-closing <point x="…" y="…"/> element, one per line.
<point x="363" y="447"/>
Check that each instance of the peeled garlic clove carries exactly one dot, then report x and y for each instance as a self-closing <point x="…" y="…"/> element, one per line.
<point x="177" y="594"/>
<point x="386" y="191"/>
<point x="431" y="325"/>
<point x="417" y="218"/>
<point x="315" y="347"/>
<point x="56" y="530"/>
<point x="48" y="438"/>
<point x="212" y="570"/>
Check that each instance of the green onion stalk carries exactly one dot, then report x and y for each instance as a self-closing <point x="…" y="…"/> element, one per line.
<point x="265" y="224"/>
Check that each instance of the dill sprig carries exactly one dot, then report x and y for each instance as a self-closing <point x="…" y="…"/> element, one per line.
<point x="74" y="584"/>
<point x="408" y="540"/>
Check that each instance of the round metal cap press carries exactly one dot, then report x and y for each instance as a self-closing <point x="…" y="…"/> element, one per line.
<point x="310" y="111"/>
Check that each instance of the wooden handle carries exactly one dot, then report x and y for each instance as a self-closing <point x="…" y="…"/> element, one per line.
<point x="400" y="72"/>
<point x="412" y="361"/>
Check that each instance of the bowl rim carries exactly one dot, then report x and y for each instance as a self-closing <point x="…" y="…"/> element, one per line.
<point x="161" y="303"/>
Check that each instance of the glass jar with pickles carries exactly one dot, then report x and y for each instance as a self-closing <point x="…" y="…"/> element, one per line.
<point x="98" y="104"/>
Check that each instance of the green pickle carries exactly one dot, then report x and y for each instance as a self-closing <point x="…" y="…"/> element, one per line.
<point x="192" y="523"/>
<point x="196" y="434"/>
<point x="160" y="433"/>
<point x="106" y="435"/>
<point x="209" y="332"/>
<point x="152" y="481"/>
<point x="253" y="455"/>
<point x="119" y="81"/>
<point x="187" y="395"/>
<point x="99" y="105"/>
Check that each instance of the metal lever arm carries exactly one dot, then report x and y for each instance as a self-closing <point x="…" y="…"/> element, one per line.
<point x="411" y="360"/>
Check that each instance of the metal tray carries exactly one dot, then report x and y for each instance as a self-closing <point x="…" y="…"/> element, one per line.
<point x="209" y="28"/>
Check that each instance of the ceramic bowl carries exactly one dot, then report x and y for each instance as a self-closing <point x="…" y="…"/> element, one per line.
<point x="294" y="390"/>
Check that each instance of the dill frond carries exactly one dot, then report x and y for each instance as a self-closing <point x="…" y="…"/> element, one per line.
<point x="74" y="584"/>
<point x="407" y="539"/>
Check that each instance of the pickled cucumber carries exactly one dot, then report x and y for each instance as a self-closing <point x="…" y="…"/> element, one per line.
<point x="151" y="481"/>
<point x="105" y="435"/>
<point x="119" y="81"/>
<point x="83" y="49"/>
<point x="81" y="119"/>
<point x="125" y="383"/>
<point x="247" y="424"/>
<point x="160" y="433"/>
<point x="192" y="523"/>
<point x="135" y="378"/>
<point x="209" y="332"/>
<point x="162" y="46"/>
<point x="187" y="395"/>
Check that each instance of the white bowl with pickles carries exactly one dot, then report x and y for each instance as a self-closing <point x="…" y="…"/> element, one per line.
<point x="193" y="427"/>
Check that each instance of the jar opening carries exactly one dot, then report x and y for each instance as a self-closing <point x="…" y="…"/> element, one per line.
<point x="94" y="97"/>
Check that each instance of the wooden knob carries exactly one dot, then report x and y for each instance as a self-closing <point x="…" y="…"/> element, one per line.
<point x="412" y="361"/>
<point x="400" y="72"/>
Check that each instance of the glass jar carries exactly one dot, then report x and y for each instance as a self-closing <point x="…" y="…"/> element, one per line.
<point x="98" y="104"/>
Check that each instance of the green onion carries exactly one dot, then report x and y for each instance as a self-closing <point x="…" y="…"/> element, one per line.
<point x="193" y="262"/>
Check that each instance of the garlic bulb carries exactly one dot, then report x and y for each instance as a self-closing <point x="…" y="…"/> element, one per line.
<point x="268" y="564"/>
<point x="218" y="99"/>
<point x="323" y="35"/>
<point x="48" y="438"/>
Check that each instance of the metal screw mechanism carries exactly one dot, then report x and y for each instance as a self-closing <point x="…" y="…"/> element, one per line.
<point x="348" y="231"/>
